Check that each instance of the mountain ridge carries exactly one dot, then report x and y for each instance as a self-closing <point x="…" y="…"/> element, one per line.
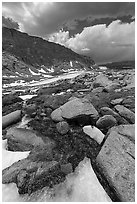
<point x="37" y="52"/>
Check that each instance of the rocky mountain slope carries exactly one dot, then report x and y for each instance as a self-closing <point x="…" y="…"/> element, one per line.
<point x="40" y="54"/>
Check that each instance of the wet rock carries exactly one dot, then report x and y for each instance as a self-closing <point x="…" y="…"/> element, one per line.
<point x="126" y="113"/>
<point x="94" y="133"/>
<point x="11" y="118"/>
<point x="62" y="127"/>
<point x="116" y="161"/>
<point x="106" y="122"/>
<point x="19" y="139"/>
<point x="116" y="101"/>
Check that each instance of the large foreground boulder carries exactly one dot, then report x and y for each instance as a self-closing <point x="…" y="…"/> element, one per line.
<point x="11" y="118"/>
<point x="41" y="168"/>
<point x="80" y="110"/>
<point x="116" y="161"/>
<point x="21" y="139"/>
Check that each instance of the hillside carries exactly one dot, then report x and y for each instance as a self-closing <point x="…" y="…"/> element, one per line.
<point x="40" y="53"/>
<point x="120" y="65"/>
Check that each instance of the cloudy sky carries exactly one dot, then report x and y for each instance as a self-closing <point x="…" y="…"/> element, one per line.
<point x="103" y="30"/>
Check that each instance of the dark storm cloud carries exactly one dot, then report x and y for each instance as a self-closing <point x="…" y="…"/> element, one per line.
<point x="46" y="18"/>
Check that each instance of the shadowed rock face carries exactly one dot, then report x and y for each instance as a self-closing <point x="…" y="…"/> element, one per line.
<point x="116" y="161"/>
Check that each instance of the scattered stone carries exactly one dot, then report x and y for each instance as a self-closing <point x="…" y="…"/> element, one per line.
<point x="79" y="110"/>
<point x="116" y="161"/>
<point x="11" y="118"/>
<point x="62" y="127"/>
<point x="94" y="133"/>
<point x="106" y="122"/>
<point x="116" y="101"/>
<point x="126" y="113"/>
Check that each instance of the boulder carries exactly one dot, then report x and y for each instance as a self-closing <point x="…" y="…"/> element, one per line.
<point x="30" y="176"/>
<point x="126" y="113"/>
<point x="105" y="122"/>
<point x="11" y="118"/>
<point x="62" y="127"/>
<point x="77" y="108"/>
<point x="42" y="167"/>
<point x="116" y="161"/>
<point x="103" y="81"/>
<point x="94" y="133"/>
<point x="116" y="101"/>
<point x="56" y="115"/>
<point x="20" y="139"/>
<point x="109" y="111"/>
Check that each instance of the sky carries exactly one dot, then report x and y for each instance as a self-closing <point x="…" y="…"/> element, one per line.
<point x="103" y="30"/>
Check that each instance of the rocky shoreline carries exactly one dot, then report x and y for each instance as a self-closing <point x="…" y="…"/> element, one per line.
<point x="92" y="115"/>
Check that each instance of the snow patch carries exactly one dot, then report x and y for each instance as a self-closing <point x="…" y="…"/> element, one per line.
<point x="25" y="97"/>
<point x="71" y="64"/>
<point x="33" y="73"/>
